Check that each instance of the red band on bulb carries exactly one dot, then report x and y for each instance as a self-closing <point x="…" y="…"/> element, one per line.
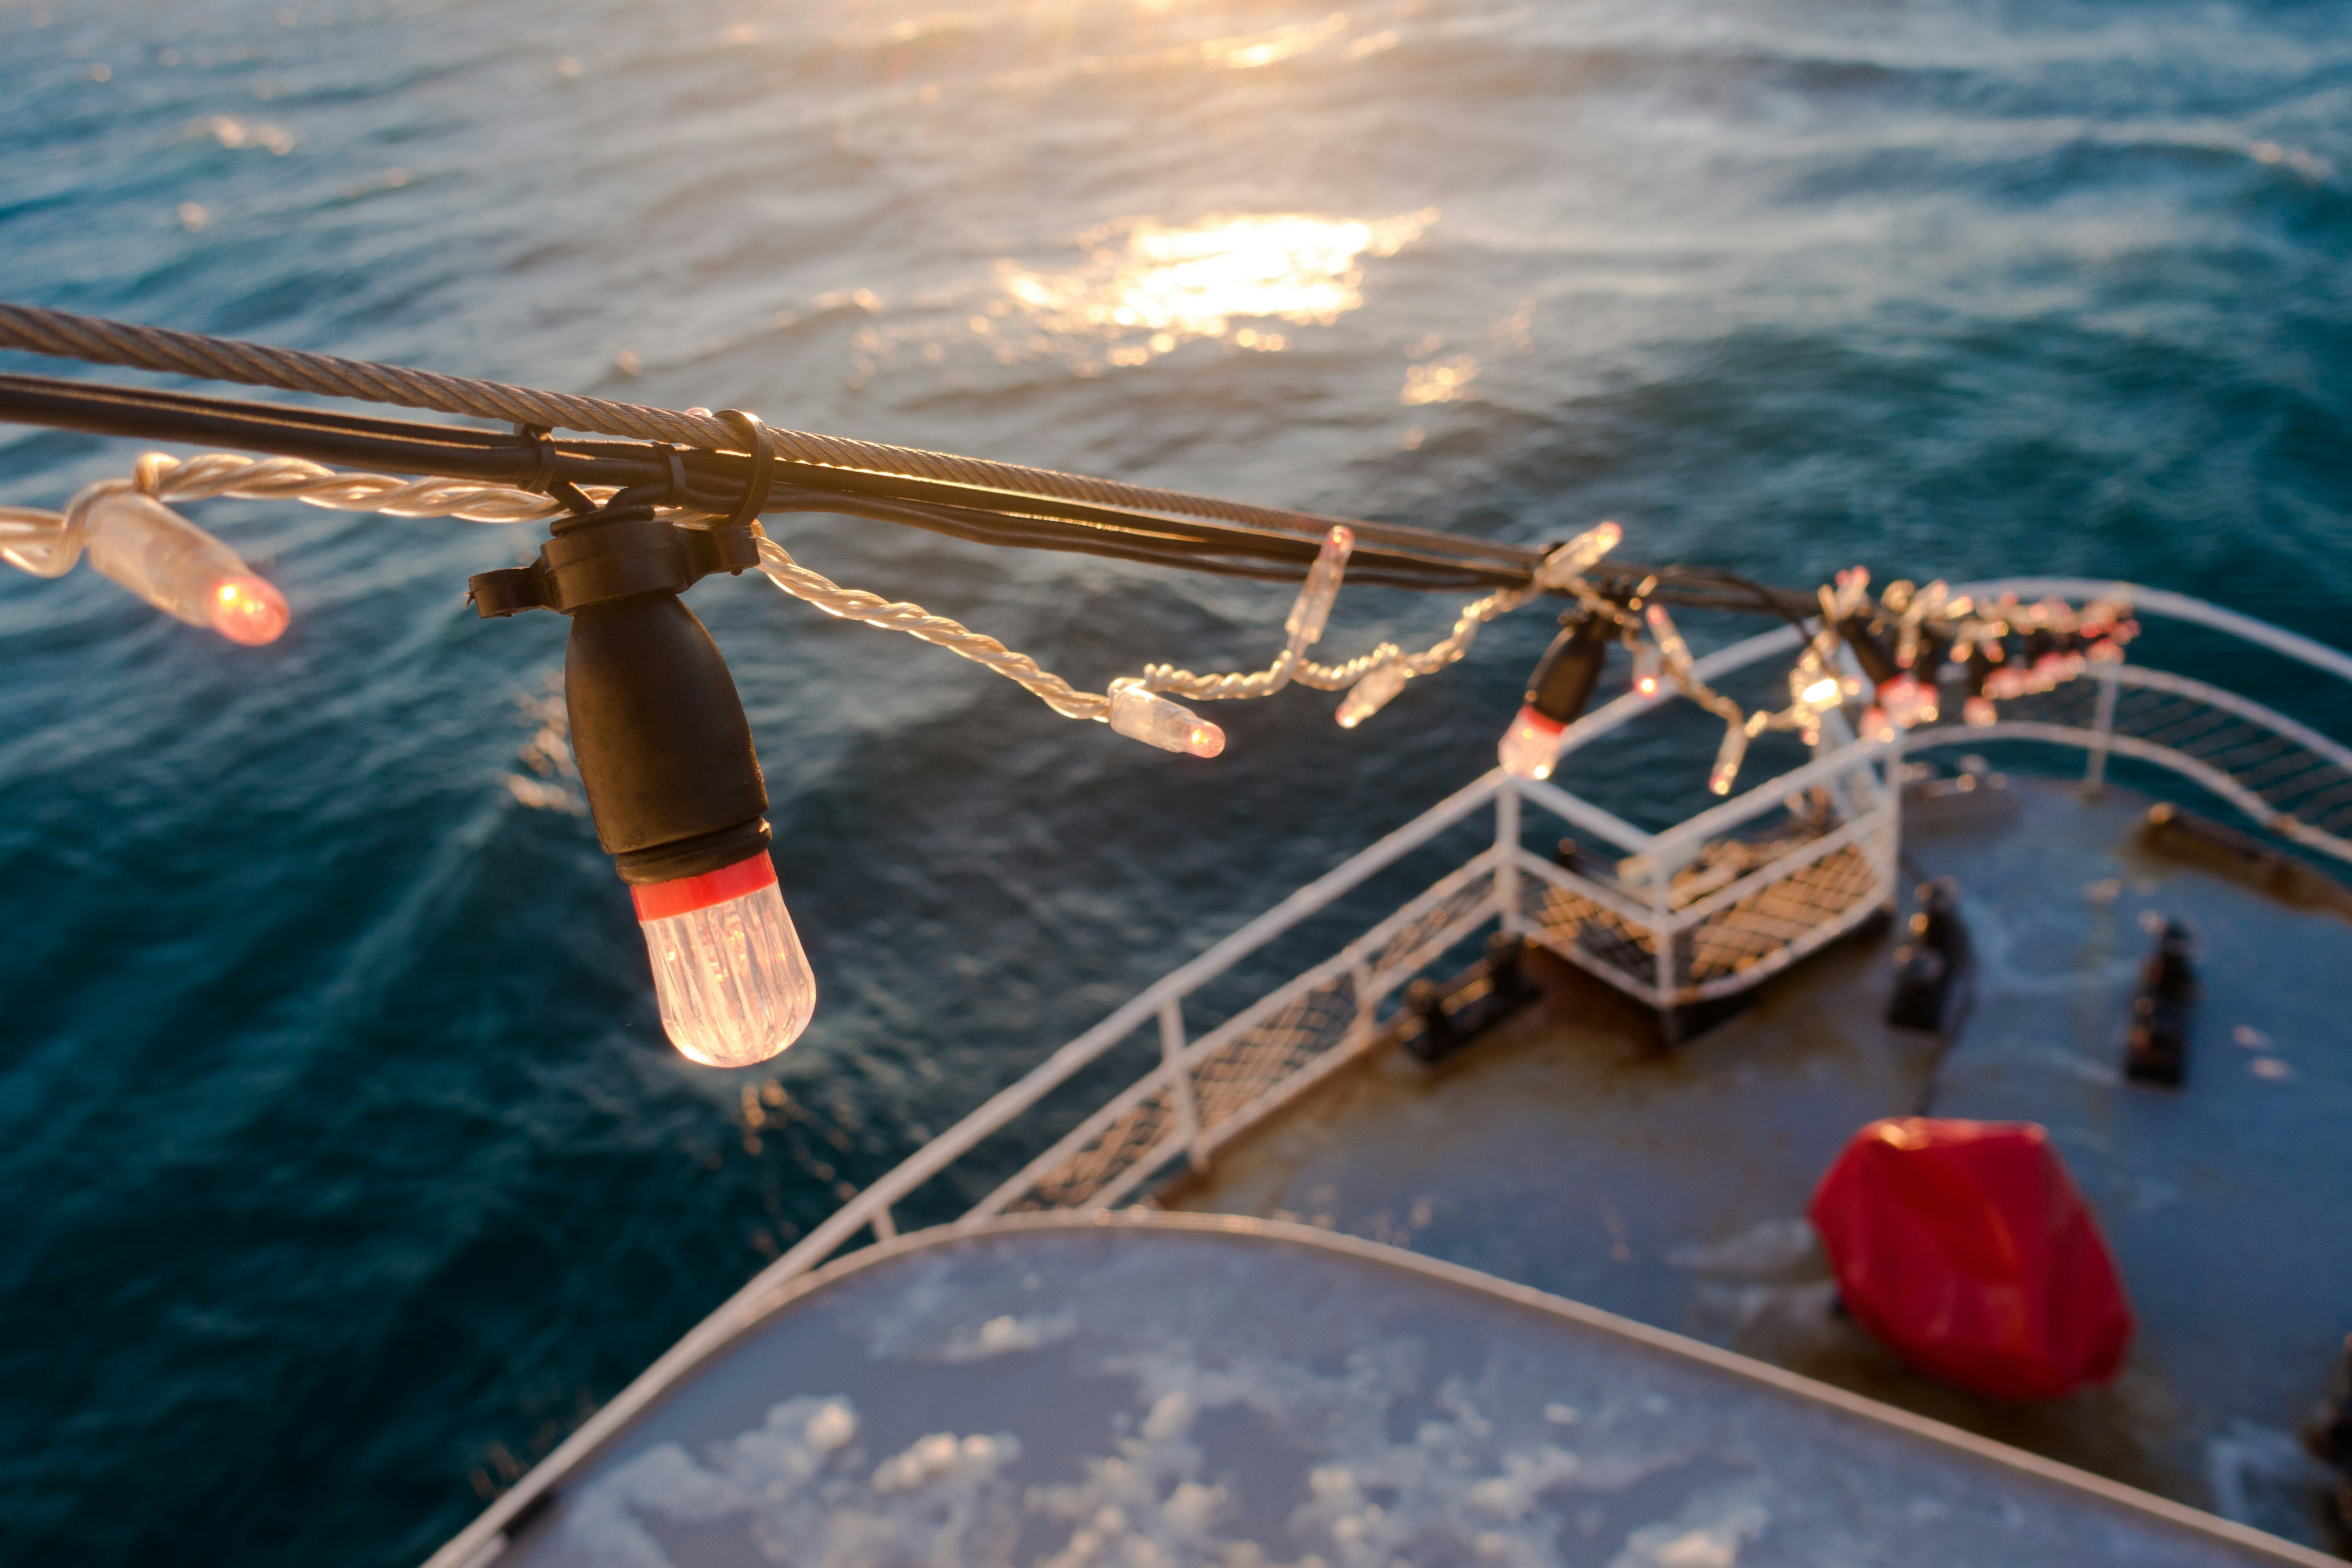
<point x="660" y="900"/>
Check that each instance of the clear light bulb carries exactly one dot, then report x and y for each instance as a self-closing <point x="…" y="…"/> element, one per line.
<point x="733" y="985"/>
<point x="1567" y="563"/>
<point x="1312" y="609"/>
<point x="1648" y="670"/>
<point x="1727" y="759"/>
<point x="1908" y="701"/>
<point x="181" y="570"/>
<point x="1670" y="640"/>
<point x="1531" y="745"/>
<point x="1146" y="716"/>
<point x="1373" y="692"/>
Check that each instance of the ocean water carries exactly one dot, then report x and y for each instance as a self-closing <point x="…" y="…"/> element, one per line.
<point x="343" y="1166"/>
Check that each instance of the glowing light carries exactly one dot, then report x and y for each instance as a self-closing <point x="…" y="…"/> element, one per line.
<point x="1821" y="694"/>
<point x="732" y="983"/>
<point x="1648" y="670"/>
<point x="1531" y="745"/>
<point x="1312" y="610"/>
<point x="1373" y="692"/>
<point x="1146" y="716"/>
<point x="1727" y="759"/>
<point x="248" y="610"/>
<point x="181" y="570"/>
<point x="1567" y="563"/>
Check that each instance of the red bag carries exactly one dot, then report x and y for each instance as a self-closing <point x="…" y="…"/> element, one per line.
<point x="1966" y="1247"/>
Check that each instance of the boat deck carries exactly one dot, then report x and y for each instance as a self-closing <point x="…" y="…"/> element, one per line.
<point x="1571" y="1150"/>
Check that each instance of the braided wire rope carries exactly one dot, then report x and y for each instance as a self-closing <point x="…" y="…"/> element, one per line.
<point x="67" y="336"/>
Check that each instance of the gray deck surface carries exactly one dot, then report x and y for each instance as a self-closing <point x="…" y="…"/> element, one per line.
<point x="1569" y="1152"/>
<point x="1165" y="1392"/>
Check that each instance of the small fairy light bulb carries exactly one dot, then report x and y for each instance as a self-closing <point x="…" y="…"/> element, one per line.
<point x="250" y="610"/>
<point x="1560" y="687"/>
<point x="181" y="570"/>
<point x="1530" y="747"/>
<point x="1649" y="671"/>
<point x="1144" y="715"/>
<point x="1312" y="609"/>
<point x="731" y="981"/>
<point x="1727" y="758"/>
<point x="1373" y="692"/>
<point x="1675" y="651"/>
<point x="1570" y="561"/>
<point x="1908" y="701"/>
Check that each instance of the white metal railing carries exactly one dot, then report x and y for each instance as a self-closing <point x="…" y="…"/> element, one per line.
<point x="1700" y="911"/>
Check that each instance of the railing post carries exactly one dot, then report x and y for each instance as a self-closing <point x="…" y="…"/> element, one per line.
<point x="885" y="1227"/>
<point x="1507" y="857"/>
<point x="1188" y="1108"/>
<point x="2102" y="724"/>
<point x="1662" y="933"/>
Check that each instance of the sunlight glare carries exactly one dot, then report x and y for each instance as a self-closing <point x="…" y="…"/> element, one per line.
<point x="1163" y="285"/>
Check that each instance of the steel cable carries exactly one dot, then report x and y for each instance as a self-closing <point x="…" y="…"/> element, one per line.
<point x="63" y="334"/>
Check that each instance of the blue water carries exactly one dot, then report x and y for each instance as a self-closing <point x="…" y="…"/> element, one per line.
<point x="343" y="1167"/>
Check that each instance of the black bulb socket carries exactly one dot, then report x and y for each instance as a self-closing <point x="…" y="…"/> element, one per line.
<point x="1570" y="670"/>
<point x="1870" y="652"/>
<point x="664" y="751"/>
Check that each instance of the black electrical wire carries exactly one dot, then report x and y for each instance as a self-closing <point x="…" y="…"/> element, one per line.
<point x="716" y="481"/>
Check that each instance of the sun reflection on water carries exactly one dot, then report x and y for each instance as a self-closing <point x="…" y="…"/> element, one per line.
<point x="1164" y="285"/>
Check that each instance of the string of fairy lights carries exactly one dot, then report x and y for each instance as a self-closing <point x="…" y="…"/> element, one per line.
<point x="1892" y="652"/>
<point x="657" y="731"/>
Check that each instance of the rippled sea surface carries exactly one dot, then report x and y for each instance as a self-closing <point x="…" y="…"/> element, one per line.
<point x="343" y="1166"/>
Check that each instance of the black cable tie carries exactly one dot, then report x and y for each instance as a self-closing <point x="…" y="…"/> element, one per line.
<point x="544" y="478"/>
<point x="542" y="454"/>
<point x="764" y="463"/>
<point x="677" y="495"/>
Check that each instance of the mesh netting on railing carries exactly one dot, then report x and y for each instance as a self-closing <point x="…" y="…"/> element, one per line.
<point x="2285" y="773"/>
<point x="1106" y="1154"/>
<point x="1804" y="901"/>
<point x="1244" y="1065"/>
<point x="1407" y="943"/>
<point x="1253" y="1063"/>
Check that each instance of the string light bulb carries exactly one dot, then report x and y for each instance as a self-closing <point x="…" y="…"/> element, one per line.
<point x="1727" y="758"/>
<point x="1311" y="611"/>
<point x="673" y="781"/>
<point x="1649" y="671"/>
<point x="1564" y="565"/>
<point x="1144" y="715"/>
<point x="1378" y="687"/>
<point x="1562" y="684"/>
<point x="731" y="980"/>
<point x="182" y="570"/>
